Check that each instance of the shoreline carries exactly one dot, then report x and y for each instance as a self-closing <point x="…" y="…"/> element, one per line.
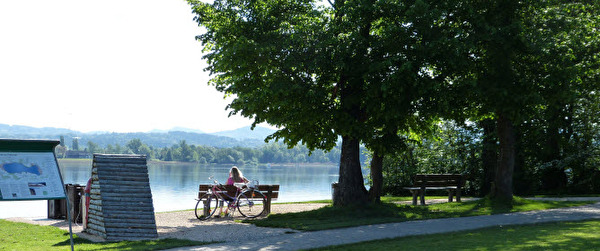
<point x="89" y="161"/>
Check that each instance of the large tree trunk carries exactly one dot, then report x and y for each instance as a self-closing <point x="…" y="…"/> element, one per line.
<point x="350" y="188"/>
<point x="503" y="190"/>
<point x="489" y="155"/>
<point x="377" y="177"/>
<point x="522" y="180"/>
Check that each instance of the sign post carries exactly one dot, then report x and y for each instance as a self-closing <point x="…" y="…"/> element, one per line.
<point x="29" y="171"/>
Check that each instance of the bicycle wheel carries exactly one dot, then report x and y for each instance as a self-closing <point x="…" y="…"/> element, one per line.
<point x="206" y="206"/>
<point x="251" y="203"/>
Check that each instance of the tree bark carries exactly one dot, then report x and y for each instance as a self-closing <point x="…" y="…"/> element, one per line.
<point x="522" y="182"/>
<point x="350" y="188"/>
<point x="377" y="177"/>
<point x="503" y="190"/>
<point x="489" y="155"/>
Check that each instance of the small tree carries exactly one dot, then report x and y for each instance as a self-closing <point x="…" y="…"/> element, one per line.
<point x="92" y="147"/>
<point x="75" y="145"/>
<point x="135" y="146"/>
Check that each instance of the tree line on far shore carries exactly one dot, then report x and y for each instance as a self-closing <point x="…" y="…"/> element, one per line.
<point x="269" y="153"/>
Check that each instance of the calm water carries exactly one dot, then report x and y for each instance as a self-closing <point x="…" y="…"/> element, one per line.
<point x="174" y="185"/>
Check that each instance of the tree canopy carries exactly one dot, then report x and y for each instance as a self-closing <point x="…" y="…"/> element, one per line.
<point x="379" y="72"/>
<point x="360" y="69"/>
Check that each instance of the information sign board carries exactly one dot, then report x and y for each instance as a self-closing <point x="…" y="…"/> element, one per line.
<point x="29" y="171"/>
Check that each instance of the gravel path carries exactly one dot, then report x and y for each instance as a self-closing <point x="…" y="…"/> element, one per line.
<point x="184" y="225"/>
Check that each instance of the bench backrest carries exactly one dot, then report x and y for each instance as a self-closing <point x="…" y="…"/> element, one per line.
<point x="438" y="180"/>
<point x="271" y="191"/>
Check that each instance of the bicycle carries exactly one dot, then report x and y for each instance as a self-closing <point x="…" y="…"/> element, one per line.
<point x="247" y="200"/>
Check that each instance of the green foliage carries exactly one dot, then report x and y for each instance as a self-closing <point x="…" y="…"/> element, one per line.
<point x="450" y="148"/>
<point x="559" y="146"/>
<point x="92" y="147"/>
<point x="536" y="64"/>
<point x="362" y="70"/>
<point x="265" y="52"/>
<point x="152" y="139"/>
<point x="457" y="149"/>
<point x="75" y="145"/>
<point x="381" y="72"/>
<point x="269" y="153"/>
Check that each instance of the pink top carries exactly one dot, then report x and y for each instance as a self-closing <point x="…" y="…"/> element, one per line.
<point x="230" y="181"/>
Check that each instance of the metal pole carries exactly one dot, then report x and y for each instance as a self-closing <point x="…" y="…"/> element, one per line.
<point x="69" y="218"/>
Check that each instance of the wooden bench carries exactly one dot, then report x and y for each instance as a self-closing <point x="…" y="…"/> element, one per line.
<point x="270" y="191"/>
<point x="453" y="183"/>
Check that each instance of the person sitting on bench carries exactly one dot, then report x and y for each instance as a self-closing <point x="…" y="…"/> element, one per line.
<point x="235" y="176"/>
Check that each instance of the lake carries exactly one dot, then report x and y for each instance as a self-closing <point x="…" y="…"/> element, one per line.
<point x="175" y="185"/>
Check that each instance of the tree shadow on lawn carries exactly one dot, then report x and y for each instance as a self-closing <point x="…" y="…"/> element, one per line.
<point x="581" y="235"/>
<point x="157" y="244"/>
<point x="376" y="213"/>
<point x="333" y="217"/>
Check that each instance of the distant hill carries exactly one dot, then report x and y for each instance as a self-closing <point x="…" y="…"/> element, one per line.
<point x="246" y="133"/>
<point x="177" y="129"/>
<point x="168" y="139"/>
<point x="18" y="130"/>
<point x="241" y="137"/>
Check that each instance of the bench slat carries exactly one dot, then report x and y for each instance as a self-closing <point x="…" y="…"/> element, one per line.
<point x="270" y="191"/>
<point x="231" y="190"/>
<point x="274" y="195"/>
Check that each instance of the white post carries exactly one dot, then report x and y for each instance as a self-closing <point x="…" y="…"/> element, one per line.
<point x="84" y="211"/>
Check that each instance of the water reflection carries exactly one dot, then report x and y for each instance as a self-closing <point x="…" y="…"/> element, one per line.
<point x="174" y="185"/>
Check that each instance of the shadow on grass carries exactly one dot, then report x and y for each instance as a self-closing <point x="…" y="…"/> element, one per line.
<point x="376" y="213"/>
<point x="334" y="217"/>
<point x="581" y="235"/>
<point x="23" y="236"/>
<point x="159" y="244"/>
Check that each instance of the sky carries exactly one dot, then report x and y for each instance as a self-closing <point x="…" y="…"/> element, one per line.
<point x="111" y="65"/>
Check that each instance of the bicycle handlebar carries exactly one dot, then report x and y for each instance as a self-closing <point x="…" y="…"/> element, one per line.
<point x="214" y="180"/>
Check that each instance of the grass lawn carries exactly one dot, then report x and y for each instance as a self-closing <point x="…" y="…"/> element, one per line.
<point x="565" y="195"/>
<point x="330" y="217"/>
<point x="581" y="235"/>
<point x="22" y="236"/>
